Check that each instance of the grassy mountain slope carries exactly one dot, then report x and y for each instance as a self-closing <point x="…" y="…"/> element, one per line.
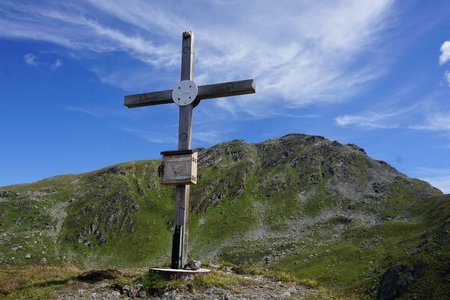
<point x="301" y="204"/>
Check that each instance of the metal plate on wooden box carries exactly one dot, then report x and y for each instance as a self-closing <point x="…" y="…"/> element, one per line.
<point x="180" y="169"/>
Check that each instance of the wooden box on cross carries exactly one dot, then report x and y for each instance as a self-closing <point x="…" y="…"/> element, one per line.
<point x="179" y="167"/>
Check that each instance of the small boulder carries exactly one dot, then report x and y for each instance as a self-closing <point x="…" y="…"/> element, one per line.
<point x="193" y="265"/>
<point x="141" y="293"/>
<point x="128" y="291"/>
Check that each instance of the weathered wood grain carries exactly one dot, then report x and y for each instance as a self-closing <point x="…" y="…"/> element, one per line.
<point x="147" y="99"/>
<point x="226" y="89"/>
<point x="187" y="56"/>
<point x="184" y="143"/>
<point x="209" y="91"/>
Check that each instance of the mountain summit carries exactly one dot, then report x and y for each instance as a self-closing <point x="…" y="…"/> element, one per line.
<point x="305" y="205"/>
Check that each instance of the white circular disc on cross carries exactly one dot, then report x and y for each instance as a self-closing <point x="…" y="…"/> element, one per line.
<point x="185" y="92"/>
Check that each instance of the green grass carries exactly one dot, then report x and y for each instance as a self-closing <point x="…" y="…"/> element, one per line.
<point x="219" y="223"/>
<point x="320" y="201"/>
<point x="34" y="282"/>
<point x="157" y="284"/>
<point x="282" y="205"/>
<point x="352" y="264"/>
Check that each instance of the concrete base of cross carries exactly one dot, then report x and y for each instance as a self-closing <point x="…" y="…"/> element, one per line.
<point x="171" y="274"/>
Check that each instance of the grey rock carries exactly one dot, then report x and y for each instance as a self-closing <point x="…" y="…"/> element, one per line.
<point x="211" y="291"/>
<point x="286" y="294"/>
<point x="171" y="295"/>
<point x="128" y="291"/>
<point x="397" y="280"/>
<point x="141" y="293"/>
<point x="5" y="194"/>
<point x="193" y="265"/>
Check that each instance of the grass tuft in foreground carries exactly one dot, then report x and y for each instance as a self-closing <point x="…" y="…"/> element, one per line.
<point x="38" y="282"/>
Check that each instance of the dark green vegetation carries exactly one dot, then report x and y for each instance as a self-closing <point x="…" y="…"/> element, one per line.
<point x="315" y="209"/>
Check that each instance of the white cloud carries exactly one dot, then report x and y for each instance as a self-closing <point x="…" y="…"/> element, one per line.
<point x="76" y="28"/>
<point x="445" y="57"/>
<point x="439" y="178"/>
<point x="128" y="79"/>
<point x="447" y="77"/>
<point x="442" y="183"/>
<point x="435" y="121"/>
<point x="152" y="136"/>
<point x="432" y="122"/>
<point x="209" y="137"/>
<point x="57" y="64"/>
<point x="300" y="53"/>
<point x="84" y="111"/>
<point x="380" y="119"/>
<point x="425" y="115"/>
<point x="145" y="15"/>
<point x="445" y="53"/>
<point x="30" y="59"/>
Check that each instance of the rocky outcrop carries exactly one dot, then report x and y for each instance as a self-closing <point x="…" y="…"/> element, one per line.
<point x="397" y="280"/>
<point x="112" y="219"/>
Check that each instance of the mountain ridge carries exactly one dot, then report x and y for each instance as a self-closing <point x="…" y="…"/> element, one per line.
<point x="302" y="204"/>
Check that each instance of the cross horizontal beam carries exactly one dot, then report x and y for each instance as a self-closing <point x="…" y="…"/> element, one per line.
<point x="209" y="91"/>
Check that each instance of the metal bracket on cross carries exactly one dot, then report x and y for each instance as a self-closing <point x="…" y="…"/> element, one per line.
<point x="185" y="92"/>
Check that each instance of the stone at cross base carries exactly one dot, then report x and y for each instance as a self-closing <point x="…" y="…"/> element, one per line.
<point x="180" y="166"/>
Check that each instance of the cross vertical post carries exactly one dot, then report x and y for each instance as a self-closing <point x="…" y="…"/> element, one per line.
<point x="180" y="244"/>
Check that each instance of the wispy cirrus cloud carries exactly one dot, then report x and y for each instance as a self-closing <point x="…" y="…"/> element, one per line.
<point x="30" y="59"/>
<point x="311" y="57"/>
<point x="299" y="53"/>
<point x="420" y="116"/>
<point x="209" y="137"/>
<point x="370" y="120"/>
<point x="56" y="65"/>
<point x="436" y="121"/>
<point x="447" y="77"/>
<point x="428" y="113"/>
<point x="445" y="53"/>
<point x="444" y="58"/>
<point x="85" y="111"/>
<point x="381" y="118"/>
<point x="438" y="177"/>
<point x="152" y="136"/>
<point x="441" y="182"/>
<point x="77" y="28"/>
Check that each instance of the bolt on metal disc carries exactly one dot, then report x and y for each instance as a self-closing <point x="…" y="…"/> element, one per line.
<point x="185" y="92"/>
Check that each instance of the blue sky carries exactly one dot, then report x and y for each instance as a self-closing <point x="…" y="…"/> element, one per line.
<point x="372" y="73"/>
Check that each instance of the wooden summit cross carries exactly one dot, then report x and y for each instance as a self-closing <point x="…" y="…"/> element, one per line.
<point x="187" y="95"/>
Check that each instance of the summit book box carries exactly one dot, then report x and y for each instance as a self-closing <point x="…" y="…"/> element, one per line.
<point x="179" y="167"/>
